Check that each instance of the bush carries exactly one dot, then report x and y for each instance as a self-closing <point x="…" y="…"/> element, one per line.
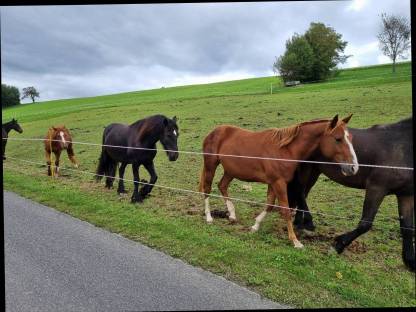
<point x="10" y="96"/>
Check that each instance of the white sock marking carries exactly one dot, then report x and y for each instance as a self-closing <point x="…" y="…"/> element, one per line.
<point x="259" y="219"/>
<point x="231" y="209"/>
<point x="207" y="211"/>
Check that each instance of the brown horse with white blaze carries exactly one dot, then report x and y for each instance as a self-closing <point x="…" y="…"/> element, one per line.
<point x="57" y="139"/>
<point x="297" y="142"/>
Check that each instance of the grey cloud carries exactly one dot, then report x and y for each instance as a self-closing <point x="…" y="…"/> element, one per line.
<point x="69" y="49"/>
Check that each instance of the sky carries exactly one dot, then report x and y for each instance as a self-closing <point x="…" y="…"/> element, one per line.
<point x="77" y="51"/>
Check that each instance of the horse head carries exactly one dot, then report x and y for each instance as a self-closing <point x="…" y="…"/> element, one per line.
<point x="336" y="144"/>
<point x="169" y="138"/>
<point x="61" y="136"/>
<point x="16" y="126"/>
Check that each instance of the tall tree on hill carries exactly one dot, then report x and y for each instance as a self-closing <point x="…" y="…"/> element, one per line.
<point x="312" y="56"/>
<point x="394" y="37"/>
<point x="30" y="92"/>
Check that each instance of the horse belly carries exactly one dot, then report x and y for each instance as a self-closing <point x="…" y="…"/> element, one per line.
<point x="245" y="169"/>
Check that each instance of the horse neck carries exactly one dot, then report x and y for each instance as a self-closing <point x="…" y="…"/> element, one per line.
<point x="8" y="126"/>
<point x="307" y="141"/>
<point x="151" y="136"/>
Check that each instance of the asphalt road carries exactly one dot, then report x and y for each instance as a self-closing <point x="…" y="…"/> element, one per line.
<point x="54" y="262"/>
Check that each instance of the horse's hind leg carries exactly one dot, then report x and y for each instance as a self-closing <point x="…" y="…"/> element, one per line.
<point x="71" y="155"/>
<point x="110" y="175"/>
<point x="205" y="184"/>
<point x="406" y="213"/>
<point x="121" y="189"/>
<point x="271" y="197"/>
<point x="223" y="187"/>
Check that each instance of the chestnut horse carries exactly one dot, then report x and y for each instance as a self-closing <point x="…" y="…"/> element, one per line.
<point x="57" y="139"/>
<point x="296" y="142"/>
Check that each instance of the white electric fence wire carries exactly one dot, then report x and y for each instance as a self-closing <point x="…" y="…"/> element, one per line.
<point x="200" y="193"/>
<point x="216" y="154"/>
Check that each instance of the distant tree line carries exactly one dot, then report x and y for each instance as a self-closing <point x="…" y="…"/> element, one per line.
<point x="10" y="95"/>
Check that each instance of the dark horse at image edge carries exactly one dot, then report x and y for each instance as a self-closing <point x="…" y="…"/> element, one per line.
<point x="5" y="129"/>
<point x="387" y="145"/>
<point x="144" y="133"/>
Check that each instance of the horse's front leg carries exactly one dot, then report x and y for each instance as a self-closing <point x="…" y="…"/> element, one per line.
<point x="57" y="156"/>
<point x="48" y="161"/>
<point x="280" y="189"/>
<point x="3" y="151"/>
<point x="271" y="197"/>
<point x="373" y="197"/>
<point x="147" y="188"/>
<point x="406" y="214"/>
<point x="136" y="197"/>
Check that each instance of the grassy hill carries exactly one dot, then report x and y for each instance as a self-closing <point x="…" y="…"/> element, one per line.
<point x="172" y="221"/>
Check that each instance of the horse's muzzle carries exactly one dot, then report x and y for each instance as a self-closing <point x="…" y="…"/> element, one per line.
<point x="349" y="170"/>
<point x="173" y="156"/>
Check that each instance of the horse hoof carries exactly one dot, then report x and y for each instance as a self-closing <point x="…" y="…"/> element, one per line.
<point x="253" y="229"/>
<point x="332" y="251"/>
<point x="232" y="220"/>
<point x="298" y="244"/>
<point x="339" y="245"/>
<point x="309" y="227"/>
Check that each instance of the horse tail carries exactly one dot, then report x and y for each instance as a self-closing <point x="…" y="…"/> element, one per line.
<point x="202" y="180"/>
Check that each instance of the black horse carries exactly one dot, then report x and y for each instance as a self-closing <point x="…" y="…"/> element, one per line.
<point x="5" y="129"/>
<point x="143" y="133"/>
<point x="387" y="145"/>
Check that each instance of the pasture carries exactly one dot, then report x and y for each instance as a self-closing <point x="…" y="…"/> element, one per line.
<point x="369" y="273"/>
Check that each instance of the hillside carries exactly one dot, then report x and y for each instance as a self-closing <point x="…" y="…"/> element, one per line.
<point x="172" y="221"/>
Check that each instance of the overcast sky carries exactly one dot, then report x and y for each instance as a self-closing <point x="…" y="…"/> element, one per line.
<point x="77" y="51"/>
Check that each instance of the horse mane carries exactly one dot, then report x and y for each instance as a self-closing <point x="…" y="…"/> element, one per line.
<point x="284" y="136"/>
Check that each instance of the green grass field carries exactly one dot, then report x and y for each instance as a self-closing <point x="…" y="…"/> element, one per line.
<point x="372" y="273"/>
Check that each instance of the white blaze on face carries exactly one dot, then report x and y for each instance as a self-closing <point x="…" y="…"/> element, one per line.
<point x="174" y="132"/>
<point x="354" y="157"/>
<point x="62" y="137"/>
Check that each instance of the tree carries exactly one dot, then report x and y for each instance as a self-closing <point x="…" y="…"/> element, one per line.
<point x="30" y="92"/>
<point x="297" y="62"/>
<point x="312" y="56"/>
<point x="10" y="95"/>
<point x="328" y="49"/>
<point x="394" y="37"/>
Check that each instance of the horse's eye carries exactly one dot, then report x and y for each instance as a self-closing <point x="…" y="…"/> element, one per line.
<point x="338" y="140"/>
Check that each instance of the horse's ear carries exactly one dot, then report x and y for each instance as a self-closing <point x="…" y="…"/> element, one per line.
<point x="175" y="119"/>
<point x="333" y="123"/>
<point x="346" y="119"/>
<point x="53" y="127"/>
